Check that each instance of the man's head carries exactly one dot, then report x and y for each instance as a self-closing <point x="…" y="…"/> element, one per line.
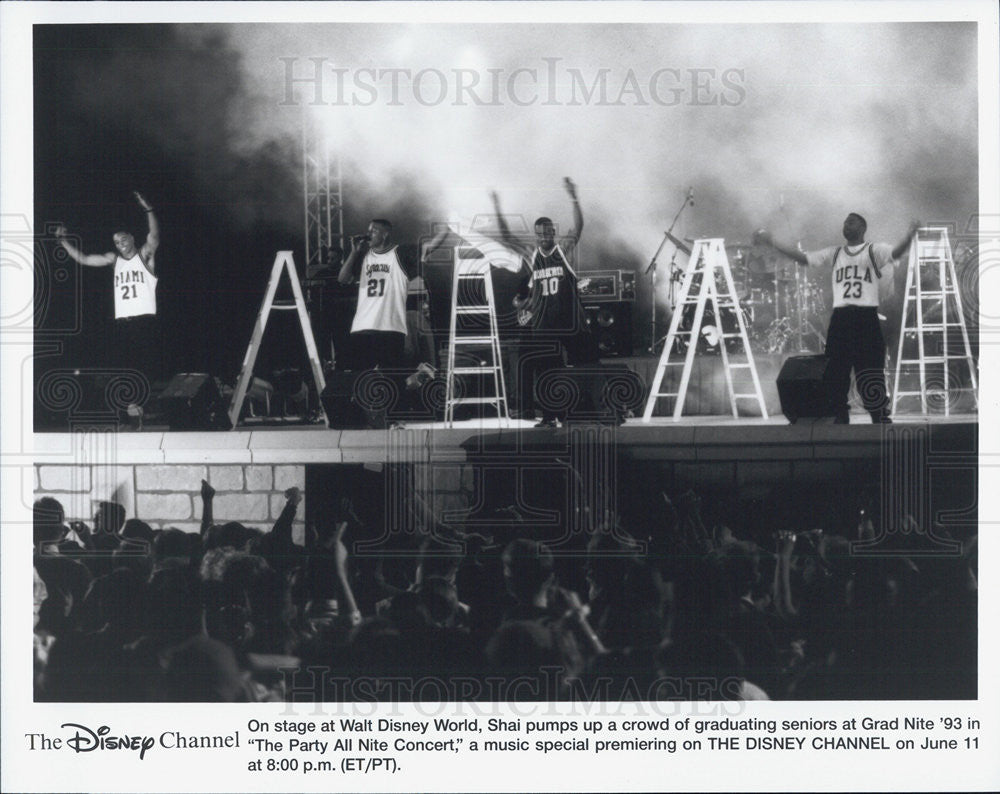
<point x="109" y="518"/>
<point x="379" y="230"/>
<point x="48" y="517"/>
<point x="125" y="243"/>
<point x="527" y="569"/>
<point x="545" y="233"/>
<point x="854" y="228"/>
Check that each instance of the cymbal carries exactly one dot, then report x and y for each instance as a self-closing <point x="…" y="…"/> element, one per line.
<point x="679" y="243"/>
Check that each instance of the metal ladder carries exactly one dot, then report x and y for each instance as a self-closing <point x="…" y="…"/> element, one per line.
<point x="708" y="260"/>
<point x="472" y="301"/>
<point x="283" y="262"/>
<point x="931" y="249"/>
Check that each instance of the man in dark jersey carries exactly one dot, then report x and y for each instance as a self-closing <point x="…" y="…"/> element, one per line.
<point x="548" y="303"/>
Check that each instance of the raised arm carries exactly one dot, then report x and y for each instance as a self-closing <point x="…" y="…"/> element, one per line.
<point x="763" y="237"/>
<point x="435" y="242"/>
<point x="207" y="495"/>
<point x="282" y="530"/>
<point x="903" y="244"/>
<point x="347" y="271"/>
<point x="577" y="212"/>
<point x="91" y="260"/>
<point x="153" y="235"/>
<point x="505" y="233"/>
<point x="343" y="575"/>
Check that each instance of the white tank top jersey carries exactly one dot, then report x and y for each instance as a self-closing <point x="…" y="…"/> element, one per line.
<point x="381" y="294"/>
<point x="135" y="288"/>
<point x="854" y="275"/>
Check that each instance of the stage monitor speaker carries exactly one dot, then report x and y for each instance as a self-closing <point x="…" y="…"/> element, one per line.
<point x="804" y="388"/>
<point x="611" y="323"/>
<point x="598" y="393"/>
<point x="377" y="398"/>
<point x="192" y="401"/>
<point x="338" y="401"/>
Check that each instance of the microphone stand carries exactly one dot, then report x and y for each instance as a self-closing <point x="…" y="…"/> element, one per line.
<point x="651" y="270"/>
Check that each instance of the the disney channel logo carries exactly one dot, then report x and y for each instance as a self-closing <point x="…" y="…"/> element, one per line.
<point x="86" y="740"/>
<point x="81" y="739"/>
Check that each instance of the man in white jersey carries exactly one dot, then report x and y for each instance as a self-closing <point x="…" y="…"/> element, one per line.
<point x="383" y="270"/>
<point x="137" y="341"/>
<point x="854" y="339"/>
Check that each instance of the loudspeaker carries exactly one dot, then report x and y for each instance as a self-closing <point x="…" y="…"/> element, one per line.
<point x="341" y="408"/>
<point x="599" y="393"/>
<point x="375" y="398"/>
<point x="192" y="401"/>
<point x="611" y="324"/>
<point x="804" y="387"/>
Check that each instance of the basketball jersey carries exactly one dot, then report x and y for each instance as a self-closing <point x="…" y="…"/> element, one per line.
<point x="135" y="288"/>
<point x="553" y="290"/>
<point x="855" y="276"/>
<point x="381" y="294"/>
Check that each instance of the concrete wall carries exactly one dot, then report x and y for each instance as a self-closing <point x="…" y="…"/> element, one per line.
<point x="170" y="494"/>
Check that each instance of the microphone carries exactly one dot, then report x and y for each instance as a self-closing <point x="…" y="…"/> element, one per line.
<point x="361" y="238"/>
<point x="691" y="196"/>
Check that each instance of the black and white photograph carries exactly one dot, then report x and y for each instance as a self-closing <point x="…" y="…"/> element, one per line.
<point x="496" y="396"/>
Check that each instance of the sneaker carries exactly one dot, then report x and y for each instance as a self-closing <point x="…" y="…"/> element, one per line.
<point x="548" y="423"/>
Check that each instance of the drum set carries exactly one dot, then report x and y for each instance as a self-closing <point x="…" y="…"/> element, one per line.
<point x="782" y="305"/>
<point x="783" y="301"/>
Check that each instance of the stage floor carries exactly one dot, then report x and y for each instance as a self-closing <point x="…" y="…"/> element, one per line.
<point x="701" y="421"/>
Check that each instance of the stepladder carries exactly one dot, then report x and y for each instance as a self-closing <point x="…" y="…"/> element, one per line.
<point x="707" y="286"/>
<point x="283" y="263"/>
<point x="475" y="369"/>
<point x="934" y="361"/>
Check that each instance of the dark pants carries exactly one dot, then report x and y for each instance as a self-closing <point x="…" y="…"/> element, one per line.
<point x="383" y="349"/>
<point x="854" y="341"/>
<point x="542" y="354"/>
<point x="138" y="352"/>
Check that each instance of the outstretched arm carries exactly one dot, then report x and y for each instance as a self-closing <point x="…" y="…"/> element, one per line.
<point x="903" y="244"/>
<point x="91" y="260"/>
<point x="763" y="237"/>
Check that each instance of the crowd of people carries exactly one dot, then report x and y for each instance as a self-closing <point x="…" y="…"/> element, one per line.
<point x="124" y="612"/>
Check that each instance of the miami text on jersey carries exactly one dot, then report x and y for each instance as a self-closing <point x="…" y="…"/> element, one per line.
<point x="130" y="277"/>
